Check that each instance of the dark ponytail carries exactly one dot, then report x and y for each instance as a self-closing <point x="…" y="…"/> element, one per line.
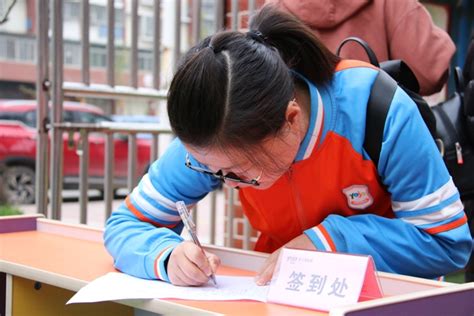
<point x="232" y="89"/>
<point x="298" y="46"/>
<point x="196" y="95"/>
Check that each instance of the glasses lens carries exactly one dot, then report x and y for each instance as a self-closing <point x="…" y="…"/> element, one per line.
<point x="219" y="174"/>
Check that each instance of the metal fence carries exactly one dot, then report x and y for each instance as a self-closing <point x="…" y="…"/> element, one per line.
<point x="50" y="84"/>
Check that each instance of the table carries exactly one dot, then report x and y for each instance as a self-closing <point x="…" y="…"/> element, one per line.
<point x="44" y="262"/>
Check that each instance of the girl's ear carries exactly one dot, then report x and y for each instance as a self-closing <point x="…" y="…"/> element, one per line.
<point x="293" y="111"/>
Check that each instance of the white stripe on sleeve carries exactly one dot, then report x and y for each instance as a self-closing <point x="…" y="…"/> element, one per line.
<point x="150" y="190"/>
<point x="150" y="209"/>
<point x="446" y="213"/>
<point x="433" y="199"/>
<point x="322" y="239"/>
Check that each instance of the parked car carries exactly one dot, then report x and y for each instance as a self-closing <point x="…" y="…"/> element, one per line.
<point x="149" y="119"/>
<point x="144" y="120"/>
<point x="18" y="149"/>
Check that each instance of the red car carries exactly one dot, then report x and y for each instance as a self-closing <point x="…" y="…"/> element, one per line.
<point x="18" y="149"/>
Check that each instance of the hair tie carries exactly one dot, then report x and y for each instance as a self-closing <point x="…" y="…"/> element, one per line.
<point x="257" y="36"/>
<point x="213" y="49"/>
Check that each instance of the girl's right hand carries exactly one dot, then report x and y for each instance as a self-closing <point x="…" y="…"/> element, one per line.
<point x="189" y="266"/>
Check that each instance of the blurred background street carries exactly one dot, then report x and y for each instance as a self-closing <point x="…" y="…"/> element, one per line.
<point x="96" y="212"/>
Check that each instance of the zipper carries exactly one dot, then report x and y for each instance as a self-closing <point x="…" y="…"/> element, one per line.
<point x="296" y="196"/>
<point x="451" y="129"/>
<point x="459" y="157"/>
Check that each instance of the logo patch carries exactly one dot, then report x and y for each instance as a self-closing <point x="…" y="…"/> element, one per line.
<point x="358" y="196"/>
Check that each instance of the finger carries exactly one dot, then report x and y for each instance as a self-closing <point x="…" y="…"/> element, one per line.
<point x="265" y="277"/>
<point x="172" y="268"/>
<point x="174" y="271"/>
<point x="214" y="261"/>
<point x="268" y="262"/>
<point x="190" y="274"/>
<point x="265" y="274"/>
<point x="192" y="271"/>
<point x="196" y="256"/>
<point x="176" y="280"/>
<point x="178" y="265"/>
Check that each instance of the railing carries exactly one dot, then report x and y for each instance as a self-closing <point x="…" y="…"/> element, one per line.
<point x="57" y="88"/>
<point x="108" y="129"/>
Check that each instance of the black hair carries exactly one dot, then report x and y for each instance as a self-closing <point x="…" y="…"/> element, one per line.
<point x="232" y="89"/>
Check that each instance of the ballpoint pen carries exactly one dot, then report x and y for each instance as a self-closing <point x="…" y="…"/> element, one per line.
<point x="191" y="227"/>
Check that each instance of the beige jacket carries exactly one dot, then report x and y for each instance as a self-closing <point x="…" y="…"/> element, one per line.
<point x="394" y="29"/>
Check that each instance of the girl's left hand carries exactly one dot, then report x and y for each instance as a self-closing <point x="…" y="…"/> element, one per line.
<point x="266" y="272"/>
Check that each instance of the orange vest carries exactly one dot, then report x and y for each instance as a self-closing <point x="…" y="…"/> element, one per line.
<point x="313" y="189"/>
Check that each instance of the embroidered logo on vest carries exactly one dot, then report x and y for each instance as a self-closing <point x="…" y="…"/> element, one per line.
<point x="358" y="196"/>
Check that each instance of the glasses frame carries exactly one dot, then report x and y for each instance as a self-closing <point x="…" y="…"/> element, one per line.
<point x="222" y="177"/>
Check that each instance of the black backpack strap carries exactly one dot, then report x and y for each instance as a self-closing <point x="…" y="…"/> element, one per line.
<point x="381" y="96"/>
<point x="370" y="53"/>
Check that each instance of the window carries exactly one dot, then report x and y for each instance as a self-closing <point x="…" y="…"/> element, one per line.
<point x="72" y="10"/>
<point x="99" y="18"/>
<point x="72" y="54"/>
<point x="208" y="18"/>
<point x="28" y="118"/>
<point x="11" y="116"/>
<point x="98" y="57"/>
<point x="146" y="27"/>
<point x="26" y="50"/>
<point x="88" y="117"/>
<point x="11" y="48"/>
<point x="145" y="61"/>
<point x="98" y="15"/>
<point x="18" y="48"/>
<point x="68" y="116"/>
<point x="119" y="18"/>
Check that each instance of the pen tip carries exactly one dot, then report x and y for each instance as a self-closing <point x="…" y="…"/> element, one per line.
<point x="213" y="278"/>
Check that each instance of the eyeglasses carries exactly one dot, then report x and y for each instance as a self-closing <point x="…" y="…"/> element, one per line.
<point x="219" y="175"/>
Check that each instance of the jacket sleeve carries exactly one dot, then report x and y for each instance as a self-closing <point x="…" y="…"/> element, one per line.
<point x="141" y="234"/>
<point x="414" y="38"/>
<point x="429" y="236"/>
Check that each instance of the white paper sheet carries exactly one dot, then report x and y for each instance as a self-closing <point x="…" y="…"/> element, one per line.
<point x="117" y="286"/>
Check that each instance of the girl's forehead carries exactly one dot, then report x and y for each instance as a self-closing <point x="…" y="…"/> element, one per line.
<point x="230" y="158"/>
<point x="234" y="157"/>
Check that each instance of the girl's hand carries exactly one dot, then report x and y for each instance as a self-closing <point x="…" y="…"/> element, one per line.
<point x="188" y="266"/>
<point x="266" y="272"/>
